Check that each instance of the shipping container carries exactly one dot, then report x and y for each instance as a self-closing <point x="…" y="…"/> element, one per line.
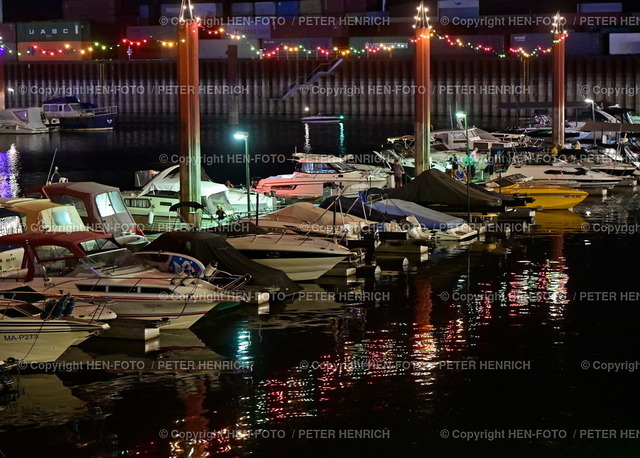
<point x="355" y="6"/>
<point x="495" y="42"/>
<point x="584" y="44"/>
<point x="265" y="8"/>
<point x="383" y="46"/>
<point x="599" y="7"/>
<point x="284" y="9"/>
<point x="53" y="31"/>
<point x="153" y="32"/>
<point x="259" y="27"/>
<point x="242" y="9"/>
<point x="333" y="6"/>
<point x="624" y="43"/>
<point x="576" y="44"/>
<point x="531" y="41"/>
<point x="199" y="10"/>
<point x="53" y="51"/>
<point x="8" y="32"/>
<point x="217" y="49"/>
<point x="310" y="7"/>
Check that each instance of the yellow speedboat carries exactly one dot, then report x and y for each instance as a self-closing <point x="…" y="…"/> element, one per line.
<point x="546" y="197"/>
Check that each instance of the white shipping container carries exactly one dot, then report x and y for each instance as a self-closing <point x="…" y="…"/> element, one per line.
<point x="624" y="43"/>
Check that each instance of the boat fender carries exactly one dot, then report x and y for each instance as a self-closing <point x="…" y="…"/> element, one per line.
<point x="209" y="271"/>
<point x="150" y="218"/>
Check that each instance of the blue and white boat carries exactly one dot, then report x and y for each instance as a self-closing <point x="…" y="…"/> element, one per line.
<point x="71" y="114"/>
<point x="438" y="225"/>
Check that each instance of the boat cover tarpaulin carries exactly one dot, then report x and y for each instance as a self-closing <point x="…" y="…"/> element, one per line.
<point x="213" y="249"/>
<point x="427" y="217"/>
<point x="305" y="212"/>
<point x="355" y="207"/>
<point x="436" y="189"/>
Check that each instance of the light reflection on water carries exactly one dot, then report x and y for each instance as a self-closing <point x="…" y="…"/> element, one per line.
<point x="507" y="298"/>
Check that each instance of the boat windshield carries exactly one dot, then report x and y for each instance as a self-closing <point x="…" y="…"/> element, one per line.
<point x="109" y="262"/>
<point x="324" y="167"/>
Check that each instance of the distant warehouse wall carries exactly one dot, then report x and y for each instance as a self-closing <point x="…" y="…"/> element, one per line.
<point x="373" y="86"/>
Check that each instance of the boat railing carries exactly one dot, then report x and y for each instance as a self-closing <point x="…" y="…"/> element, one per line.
<point x="100" y="110"/>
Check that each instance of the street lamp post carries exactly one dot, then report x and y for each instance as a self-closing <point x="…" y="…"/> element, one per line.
<point x="593" y="116"/>
<point x="463" y="115"/>
<point x="245" y="136"/>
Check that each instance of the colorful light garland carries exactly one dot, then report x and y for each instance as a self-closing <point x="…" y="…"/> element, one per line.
<point x="300" y="49"/>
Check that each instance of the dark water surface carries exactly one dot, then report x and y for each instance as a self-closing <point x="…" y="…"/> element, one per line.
<point x="502" y="340"/>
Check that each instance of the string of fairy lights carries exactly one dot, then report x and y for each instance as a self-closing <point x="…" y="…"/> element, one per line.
<point x="421" y="22"/>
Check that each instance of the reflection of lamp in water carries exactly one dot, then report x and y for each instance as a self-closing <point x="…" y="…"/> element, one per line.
<point x="9" y="173"/>
<point x="341" y="139"/>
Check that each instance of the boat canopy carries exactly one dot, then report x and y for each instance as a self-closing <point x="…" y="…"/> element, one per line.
<point x="44" y="215"/>
<point x="213" y="249"/>
<point x="306" y="212"/>
<point x="434" y="188"/>
<point x="169" y="181"/>
<point x="393" y="210"/>
<point x="101" y="207"/>
<point x="69" y="240"/>
<point x="427" y="217"/>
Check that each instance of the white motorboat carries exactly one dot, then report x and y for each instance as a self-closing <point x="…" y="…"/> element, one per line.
<point x="478" y="138"/>
<point x="22" y="121"/>
<point x="28" y="335"/>
<point x="92" y="267"/>
<point x="150" y="207"/>
<point x="565" y="174"/>
<point x="301" y="258"/>
<point x="318" y="175"/>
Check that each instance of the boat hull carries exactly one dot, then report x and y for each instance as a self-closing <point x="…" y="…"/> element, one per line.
<point x="300" y="269"/>
<point x="309" y="187"/>
<point x="35" y="340"/>
<point x="549" y="199"/>
<point x="82" y="123"/>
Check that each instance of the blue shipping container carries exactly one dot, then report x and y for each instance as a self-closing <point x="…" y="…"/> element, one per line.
<point x="288" y="9"/>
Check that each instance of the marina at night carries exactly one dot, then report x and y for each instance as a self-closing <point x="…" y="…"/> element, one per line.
<point x="319" y="227"/>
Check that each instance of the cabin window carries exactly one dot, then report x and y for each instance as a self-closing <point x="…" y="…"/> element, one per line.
<point x="70" y="200"/>
<point x="67" y="108"/>
<point x="138" y="203"/>
<point x="62" y="218"/>
<point x="96" y="288"/>
<point x="98" y="245"/>
<point x="122" y="289"/>
<point x="154" y="290"/>
<point x="110" y="203"/>
<point x="52" y="252"/>
<point x="12" y="313"/>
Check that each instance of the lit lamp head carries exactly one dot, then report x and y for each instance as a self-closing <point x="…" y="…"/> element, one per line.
<point x="588" y="101"/>
<point x="461" y="115"/>
<point x="241" y="135"/>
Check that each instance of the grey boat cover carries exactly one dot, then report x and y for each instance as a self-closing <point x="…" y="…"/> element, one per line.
<point x="427" y="217"/>
<point x="434" y="188"/>
<point x="213" y="249"/>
